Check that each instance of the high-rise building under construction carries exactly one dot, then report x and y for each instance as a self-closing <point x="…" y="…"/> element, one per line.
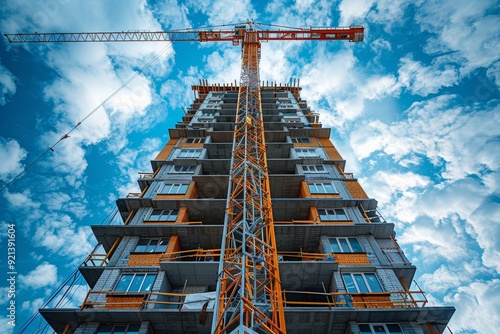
<point x="340" y="267"/>
<point x="248" y="222"/>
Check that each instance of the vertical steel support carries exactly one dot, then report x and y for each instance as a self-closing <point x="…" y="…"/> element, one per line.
<point x="249" y="296"/>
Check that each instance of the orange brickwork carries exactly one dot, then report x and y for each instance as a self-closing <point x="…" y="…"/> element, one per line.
<point x="124" y="302"/>
<point x="372" y="300"/>
<point x="355" y="189"/>
<point x="352" y="259"/>
<point x="174" y="245"/>
<point x="144" y="259"/>
<point x="329" y="149"/>
<point x="182" y="216"/>
<point x="165" y="152"/>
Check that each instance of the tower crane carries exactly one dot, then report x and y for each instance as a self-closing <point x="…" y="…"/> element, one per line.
<point x="249" y="294"/>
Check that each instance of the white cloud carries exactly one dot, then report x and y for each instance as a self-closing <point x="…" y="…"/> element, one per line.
<point x="43" y="275"/>
<point x="223" y="11"/>
<point x="32" y="306"/>
<point x="443" y="131"/>
<point x="435" y="242"/>
<point x="58" y="232"/>
<point x="386" y="186"/>
<point x="477" y="307"/>
<point x="485" y="222"/>
<point x="385" y="12"/>
<point x="7" y="84"/>
<point x="444" y="279"/>
<point x="467" y="29"/>
<point x="354" y="11"/>
<point x="21" y="200"/>
<point x="424" y="80"/>
<point x="11" y="155"/>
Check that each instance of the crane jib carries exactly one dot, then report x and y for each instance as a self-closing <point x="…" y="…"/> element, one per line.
<point x="353" y="34"/>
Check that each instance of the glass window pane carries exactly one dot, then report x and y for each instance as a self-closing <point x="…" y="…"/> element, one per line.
<point x="162" y="245"/>
<point x="394" y="329"/>
<point x="133" y="329"/>
<point x="120" y="329"/>
<point x="148" y="282"/>
<point x="335" y="246"/>
<point x="378" y="329"/>
<point x="136" y="283"/>
<point x="344" y="245"/>
<point x="141" y="245"/>
<point x="155" y="215"/>
<point x="151" y="247"/>
<point x="340" y="214"/>
<point x="349" y="283"/>
<point x="364" y="329"/>
<point x="172" y="215"/>
<point x="356" y="247"/>
<point x="164" y="216"/>
<point x="105" y="329"/>
<point x="320" y="168"/>
<point x="183" y="188"/>
<point x="373" y="283"/>
<point x="329" y="188"/>
<point x="322" y="214"/>
<point x="360" y="282"/>
<point x="124" y="282"/>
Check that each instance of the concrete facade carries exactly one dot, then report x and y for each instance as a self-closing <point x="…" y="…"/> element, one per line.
<point x="341" y="269"/>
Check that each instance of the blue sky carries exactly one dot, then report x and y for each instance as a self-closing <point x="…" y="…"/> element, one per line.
<point x="414" y="108"/>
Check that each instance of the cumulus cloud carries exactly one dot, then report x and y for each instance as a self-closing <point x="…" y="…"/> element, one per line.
<point x="43" y="275"/>
<point x="424" y="80"/>
<point x="478" y="307"/>
<point x="58" y="232"/>
<point x="468" y="29"/>
<point x="11" y="155"/>
<point x="443" y="131"/>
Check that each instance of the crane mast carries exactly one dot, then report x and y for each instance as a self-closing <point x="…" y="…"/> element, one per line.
<point x="249" y="294"/>
<point x="249" y="288"/>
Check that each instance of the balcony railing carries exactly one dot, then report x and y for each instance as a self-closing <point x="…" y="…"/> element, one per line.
<point x="206" y="255"/>
<point x="106" y="300"/>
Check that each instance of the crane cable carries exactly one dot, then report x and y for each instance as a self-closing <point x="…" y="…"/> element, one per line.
<point x="66" y="135"/>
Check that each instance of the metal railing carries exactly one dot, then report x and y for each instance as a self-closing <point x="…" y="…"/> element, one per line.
<point x="140" y="300"/>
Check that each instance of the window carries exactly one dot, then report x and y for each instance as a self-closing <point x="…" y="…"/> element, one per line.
<point x="361" y="282"/>
<point x="322" y="188"/>
<point x="332" y="214"/>
<point x="174" y="188"/>
<point x="151" y="246"/>
<point x="118" y="329"/>
<point x="182" y="170"/>
<point x="135" y="282"/>
<point x="307" y="153"/>
<point x="189" y="153"/>
<point x="313" y="169"/>
<point x="163" y="215"/>
<point x="291" y="119"/>
<point x="205" y="119"/>
<point x="301" y="140"/>
<point x="345" y="245"/>
<point x="196" y="140"/>
<point x="380" y="328"/>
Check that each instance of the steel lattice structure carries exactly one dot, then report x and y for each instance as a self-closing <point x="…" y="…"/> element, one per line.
<point x="249" y="289"/>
